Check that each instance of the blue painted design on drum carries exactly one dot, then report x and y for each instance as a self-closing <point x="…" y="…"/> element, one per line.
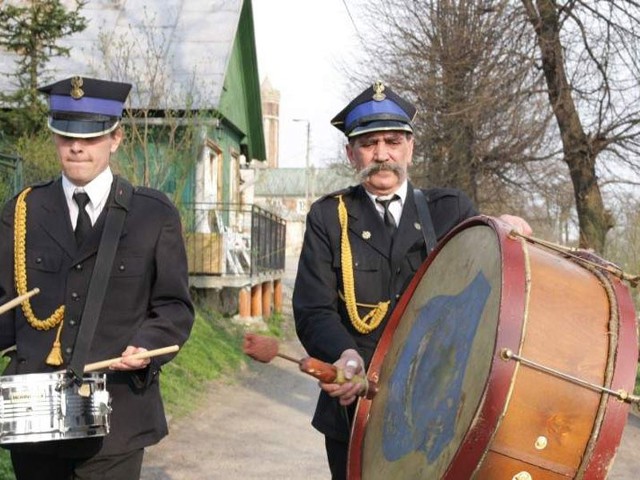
<point x="426" y="386"/>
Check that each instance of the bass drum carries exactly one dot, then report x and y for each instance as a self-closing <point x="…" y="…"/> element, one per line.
<point x="504" y="359"/>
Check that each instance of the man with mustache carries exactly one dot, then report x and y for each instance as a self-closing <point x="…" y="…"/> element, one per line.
<point x="362" y="246"/>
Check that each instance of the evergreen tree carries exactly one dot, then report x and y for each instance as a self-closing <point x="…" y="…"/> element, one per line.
<point x="32" y="33"/>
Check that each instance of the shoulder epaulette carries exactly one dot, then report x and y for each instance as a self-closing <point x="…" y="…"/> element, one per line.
<point x="44" y="183"/>
<point x="35" y="185"/>
<point x="152" y="193"/>
<point x="337" y="193"/>
<point x="433" y="194"/>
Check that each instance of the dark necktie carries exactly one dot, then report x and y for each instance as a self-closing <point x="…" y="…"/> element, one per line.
<point x="83" y="225"/>
<point x="389" y="221"/>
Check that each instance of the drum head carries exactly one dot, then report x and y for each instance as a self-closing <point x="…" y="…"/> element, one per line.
<point x="436" y="367"/>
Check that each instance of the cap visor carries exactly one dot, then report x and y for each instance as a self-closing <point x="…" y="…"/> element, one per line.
<point x="381" y="125"/>
<point x="81" y="128"/>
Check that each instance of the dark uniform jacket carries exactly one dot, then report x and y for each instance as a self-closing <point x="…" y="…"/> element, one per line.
<point x="147" y="304"/>
<point x="382" y="270"/>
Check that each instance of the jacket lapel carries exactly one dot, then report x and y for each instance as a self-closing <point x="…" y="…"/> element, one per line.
<point x="53" y="218"/>
<point x="409" y="230"/>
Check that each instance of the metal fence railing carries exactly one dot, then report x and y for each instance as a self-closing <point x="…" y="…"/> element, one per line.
<point x="233" y="239"/>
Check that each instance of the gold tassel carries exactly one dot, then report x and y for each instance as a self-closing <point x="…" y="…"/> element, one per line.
<point x="55" y="355"/>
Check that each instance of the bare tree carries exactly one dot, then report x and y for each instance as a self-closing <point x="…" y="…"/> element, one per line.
<point x="32" y="31"/>
<point x="588" y="54"/>
<point x="162" y="143"/>
<point x="468" y="66"/>
<point x="488" y="77"/>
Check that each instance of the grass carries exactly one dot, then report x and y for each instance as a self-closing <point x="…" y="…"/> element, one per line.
<point x="213" y="351"/>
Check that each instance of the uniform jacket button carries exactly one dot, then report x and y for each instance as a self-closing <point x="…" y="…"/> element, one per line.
<point x="75" y="296"/>
<point x="72" y="323"/>
<point x="121" y="268"/>
<point x="39" y="260"/>
<point x="68" y="350"/>
<point x="79" y="266"/>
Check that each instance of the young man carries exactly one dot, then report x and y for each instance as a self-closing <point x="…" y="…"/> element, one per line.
<point x="361" y="248"/>
<point x="50" y="238"/>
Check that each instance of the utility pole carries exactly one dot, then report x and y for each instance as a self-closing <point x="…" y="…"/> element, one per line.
<point x="307" y="182"/>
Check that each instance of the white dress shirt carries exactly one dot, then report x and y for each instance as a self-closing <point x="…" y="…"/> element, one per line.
<point x="98" y="191"/>
<point x="395" y="208"/>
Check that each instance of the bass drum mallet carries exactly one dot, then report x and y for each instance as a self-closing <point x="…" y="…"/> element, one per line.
<point x="264" y="349"/>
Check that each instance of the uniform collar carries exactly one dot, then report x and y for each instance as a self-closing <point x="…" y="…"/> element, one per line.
<point x="401" y="192"/>
<point x="98" y="189"/>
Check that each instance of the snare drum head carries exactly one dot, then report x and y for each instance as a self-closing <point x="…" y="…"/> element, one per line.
<point x="437" y="362"/>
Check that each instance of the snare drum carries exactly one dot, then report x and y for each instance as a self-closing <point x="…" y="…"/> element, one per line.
<point x="36" y="407"/>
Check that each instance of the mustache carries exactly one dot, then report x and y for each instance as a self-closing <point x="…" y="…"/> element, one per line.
<point x="379" y="167"/>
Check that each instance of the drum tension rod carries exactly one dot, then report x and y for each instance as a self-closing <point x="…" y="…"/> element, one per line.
<point x="507" y="354"/>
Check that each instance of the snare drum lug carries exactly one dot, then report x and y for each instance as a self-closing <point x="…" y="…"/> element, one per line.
<point x="522" y="476"/>
<point x="84" y="390"/>
<point x="104" y="409"/>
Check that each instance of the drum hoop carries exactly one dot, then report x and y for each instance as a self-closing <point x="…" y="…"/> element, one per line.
<point x="624" y="369"/>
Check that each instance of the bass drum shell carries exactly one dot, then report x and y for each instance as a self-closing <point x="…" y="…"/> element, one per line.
<point x="450" y="405"/>
<point x="34" y="408"/>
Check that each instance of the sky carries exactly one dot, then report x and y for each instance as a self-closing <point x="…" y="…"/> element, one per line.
<point x="301" y="45"/>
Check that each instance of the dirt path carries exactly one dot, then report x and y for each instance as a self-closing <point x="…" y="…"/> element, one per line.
<point x="255" y="428"/>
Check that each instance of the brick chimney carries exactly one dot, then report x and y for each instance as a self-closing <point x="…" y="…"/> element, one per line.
<point x="271" y="121"/>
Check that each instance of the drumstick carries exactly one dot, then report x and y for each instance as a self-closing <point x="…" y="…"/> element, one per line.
<point x="264" y="349"/>
<point x="18" y="300"/>
<point x="92" y="367"/>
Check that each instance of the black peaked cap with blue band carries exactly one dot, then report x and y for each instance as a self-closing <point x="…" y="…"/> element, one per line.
<point x="378" y="108"/>
<point x="85" y="107"/>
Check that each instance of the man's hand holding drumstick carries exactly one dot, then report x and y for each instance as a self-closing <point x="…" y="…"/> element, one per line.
<point x="133" y="358"/>
<point x="130" y="361"/>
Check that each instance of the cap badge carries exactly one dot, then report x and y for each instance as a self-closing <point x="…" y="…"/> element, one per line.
<point x="76" y="88"/>
<point x="378" y="89"/>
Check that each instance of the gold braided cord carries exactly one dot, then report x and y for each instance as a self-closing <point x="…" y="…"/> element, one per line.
<point x="20" y="267"/>
<point x="372" y="319"/>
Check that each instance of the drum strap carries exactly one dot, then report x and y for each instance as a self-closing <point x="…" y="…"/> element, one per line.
<point x="428" y="232"/>
<point x="114" y="223"/>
